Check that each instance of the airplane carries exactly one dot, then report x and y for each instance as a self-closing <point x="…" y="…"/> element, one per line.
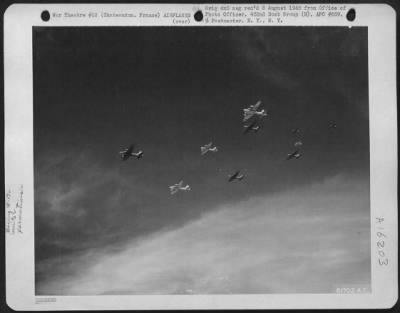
<point x="252" y="110"/>
<point x="252" y="127"/>
<point x="295" y="130"/>
<point x="204" y="149"/>
<point x="298" y="143"/>
<point x="234" y="176"/>
<point x="177" y="187"/>
<point x="332" y="125"/>
<point x="128" y="152"/>
<point x="296" y="154"/>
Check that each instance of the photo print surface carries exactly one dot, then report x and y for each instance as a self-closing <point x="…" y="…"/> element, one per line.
<point x="189" y="160"/>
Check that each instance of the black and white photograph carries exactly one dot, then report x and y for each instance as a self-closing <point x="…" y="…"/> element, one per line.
<point x="201" y="160"/>
<point x="200" y="156"/>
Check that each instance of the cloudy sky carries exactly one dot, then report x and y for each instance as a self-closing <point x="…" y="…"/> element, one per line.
<point x="104" y="226"/>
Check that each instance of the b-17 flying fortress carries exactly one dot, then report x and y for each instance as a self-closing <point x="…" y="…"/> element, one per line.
<point x="296" y="154"/>
<point x="251" y="127"/>
<point x="128" y="152"/>
<point x="236" y="176"/>
<point x="249" y="114"/>
<point x="178" y="187"/>
<point x="208" y="147"/>
<point x="332" y="125"/>
<point x="296" y="131"/>
<point x="251" y="111"/>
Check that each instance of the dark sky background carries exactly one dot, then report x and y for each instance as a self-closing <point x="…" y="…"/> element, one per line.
<point x="170" y="90"/>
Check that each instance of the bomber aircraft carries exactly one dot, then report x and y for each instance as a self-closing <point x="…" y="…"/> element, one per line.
<point x="177" y="187"/>
<point x="252" y="126"/>
<point x="296" y="154"/>
<point x="128" y="152"/>
<point x="295" y="131"/>
<point x="251" y="111"/>
<point x="236" y="176"/>
<point x="204" y="149"/>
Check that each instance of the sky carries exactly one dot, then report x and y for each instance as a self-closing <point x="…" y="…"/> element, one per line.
<point x="289" y="226"/>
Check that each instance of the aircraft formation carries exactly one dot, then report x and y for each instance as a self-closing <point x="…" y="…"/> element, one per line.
<point x="296" y="153"/>
<point x="252" y="116"/>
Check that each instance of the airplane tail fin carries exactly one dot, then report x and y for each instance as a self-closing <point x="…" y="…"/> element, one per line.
<point x="240" y="177"/>
<point x="203" y="150"/>
<point x="256" y="128"/>
<point x="215" y="149"/>
<point x="139" y="155"/>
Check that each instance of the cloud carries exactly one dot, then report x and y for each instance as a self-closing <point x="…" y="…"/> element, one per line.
<point x="308" y="239"/>
<point x="262" y="51"/>
<point x="275" y="57"/>
<point x="79" y="204"/>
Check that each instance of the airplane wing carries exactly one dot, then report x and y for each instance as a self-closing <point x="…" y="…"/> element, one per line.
<point x="173" y="190"/>
<point x="255" y="106"/>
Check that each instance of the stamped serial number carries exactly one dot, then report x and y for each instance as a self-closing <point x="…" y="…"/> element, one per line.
<point x="45" y="300"/>
<point x="351" y="289"/>
<point x="381" y="235"/>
